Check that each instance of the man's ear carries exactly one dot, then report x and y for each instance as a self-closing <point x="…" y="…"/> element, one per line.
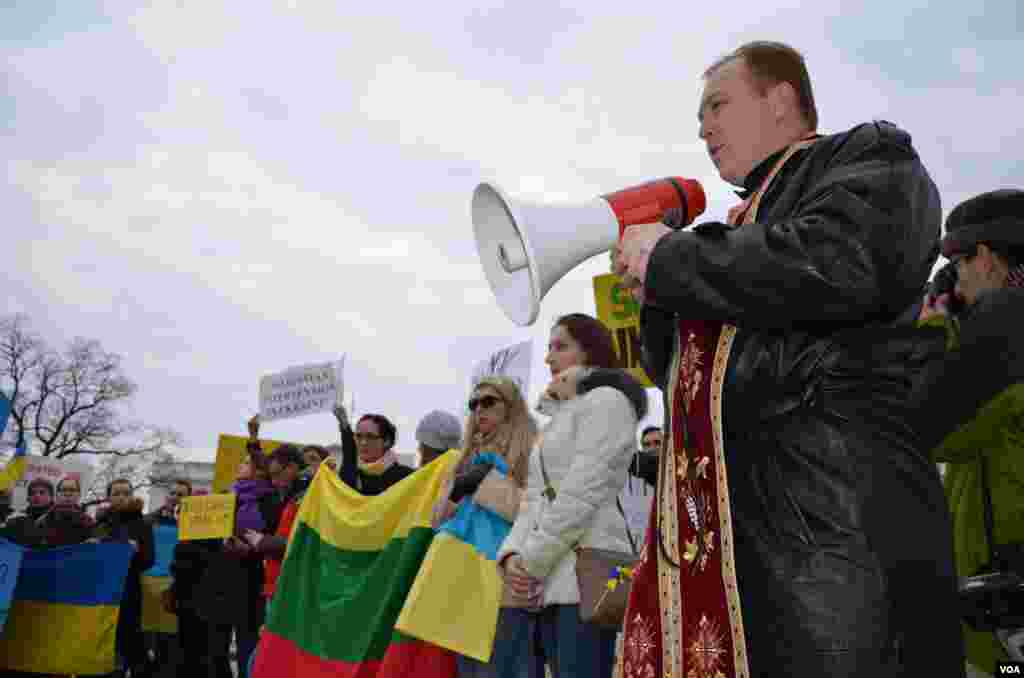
<point x="989" y="260"/>
<point x="783" y="99"/>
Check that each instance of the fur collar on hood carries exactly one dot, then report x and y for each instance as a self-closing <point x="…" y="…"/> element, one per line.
<point x="621" y="380"/>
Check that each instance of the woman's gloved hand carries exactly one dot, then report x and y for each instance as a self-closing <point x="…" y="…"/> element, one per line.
<point x="468" y="482"/>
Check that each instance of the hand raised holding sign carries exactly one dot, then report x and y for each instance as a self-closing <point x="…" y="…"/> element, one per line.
<point x="341" y="414"/>
<point x="254" y="427"/>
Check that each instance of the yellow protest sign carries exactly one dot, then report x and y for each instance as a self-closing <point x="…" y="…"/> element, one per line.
<point x="621" y="314"/>
<point x="211" y="516"/>
<point x="231" y="452"/>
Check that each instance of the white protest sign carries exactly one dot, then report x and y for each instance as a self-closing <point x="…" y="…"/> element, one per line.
<point x="53" y="470"/>
<point x="306" y="389"/>
<point x="513" y="362"/>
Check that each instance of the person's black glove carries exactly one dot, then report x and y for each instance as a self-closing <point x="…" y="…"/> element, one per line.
<point x="468" y="482"/>
<point x="645" y="467"/>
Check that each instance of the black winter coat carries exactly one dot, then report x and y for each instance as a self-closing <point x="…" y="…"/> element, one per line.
<point x="128" y="524"/>
<point x="49" y="528"/>
<point x="27" y="529"/>
<point x="221" y="587"/>
<point x="841" y="530"/>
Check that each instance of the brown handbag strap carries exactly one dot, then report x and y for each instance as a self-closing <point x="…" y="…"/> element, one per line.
<point x="549" y="490"/>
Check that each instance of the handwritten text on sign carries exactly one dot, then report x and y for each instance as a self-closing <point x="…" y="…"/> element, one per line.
<point x="300" y="390"/>
<point x="208" y="517"/>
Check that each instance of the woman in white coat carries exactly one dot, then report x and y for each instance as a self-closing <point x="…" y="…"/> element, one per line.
<point x="583" y="455"/>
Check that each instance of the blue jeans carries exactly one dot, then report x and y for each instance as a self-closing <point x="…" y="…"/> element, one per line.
<point x="525" y="641"/>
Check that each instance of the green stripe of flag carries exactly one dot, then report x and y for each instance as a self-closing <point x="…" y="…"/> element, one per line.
<point x="353" y="597"/>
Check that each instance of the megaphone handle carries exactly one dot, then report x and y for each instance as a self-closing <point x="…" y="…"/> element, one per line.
<point x="675" y="218"/>
<point x="647" y="213"/>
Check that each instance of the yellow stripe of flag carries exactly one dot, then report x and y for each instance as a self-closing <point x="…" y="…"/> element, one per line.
<point x="54" y="638"/>
<point x="12" y="472"/>
<point x="353" y="522"/>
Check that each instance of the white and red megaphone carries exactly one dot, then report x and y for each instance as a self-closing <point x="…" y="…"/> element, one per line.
<point x="525" y="248"/>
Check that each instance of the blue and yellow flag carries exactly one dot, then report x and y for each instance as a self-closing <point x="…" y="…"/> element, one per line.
<point x="64" y="616"/>
<point x="15" y="468"/>
<point x="461" y="558"/>
<point x="10" y="564"/>
<point x="157" y="579"/>
<point x="5" y="412"/>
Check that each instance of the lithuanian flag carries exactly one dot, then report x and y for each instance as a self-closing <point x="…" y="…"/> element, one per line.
<point x="350" y="564"/>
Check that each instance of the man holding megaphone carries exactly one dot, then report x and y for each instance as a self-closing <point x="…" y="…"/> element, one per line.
<point x="799" y="529"/>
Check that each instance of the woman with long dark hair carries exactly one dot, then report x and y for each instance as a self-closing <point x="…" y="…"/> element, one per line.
<point x="576" y="471"/>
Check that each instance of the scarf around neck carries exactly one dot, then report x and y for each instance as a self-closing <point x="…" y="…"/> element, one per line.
<point x="379" y="467"/>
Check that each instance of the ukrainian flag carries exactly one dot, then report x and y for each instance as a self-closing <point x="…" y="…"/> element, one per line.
<point x="5" y="411"/>
<point x="455" y="599"/>
<point x="64" y="616"/>
<point x="156" y="580"/>
<point x="15" y="468"/>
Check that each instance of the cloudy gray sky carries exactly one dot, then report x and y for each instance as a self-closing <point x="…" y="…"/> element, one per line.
<point x="219" y="190"/>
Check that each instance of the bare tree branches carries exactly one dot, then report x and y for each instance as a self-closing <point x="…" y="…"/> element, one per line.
<point x="68" y="402"/>
<point x="143" y="471"/>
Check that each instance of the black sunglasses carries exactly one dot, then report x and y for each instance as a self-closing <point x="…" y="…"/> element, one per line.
<point x="487" y="402"/>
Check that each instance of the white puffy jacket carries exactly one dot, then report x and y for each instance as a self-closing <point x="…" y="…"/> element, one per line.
<point x="587" y="447"/>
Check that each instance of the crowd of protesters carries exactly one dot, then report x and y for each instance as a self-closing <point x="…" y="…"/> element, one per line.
<point x="965" y="408"/>
<point x="586" y="448"/>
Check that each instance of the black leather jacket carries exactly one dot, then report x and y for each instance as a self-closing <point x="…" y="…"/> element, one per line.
<point x="842" y="536"/>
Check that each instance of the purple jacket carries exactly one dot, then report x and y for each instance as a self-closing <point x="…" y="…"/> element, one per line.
<point x="249" y="493"/>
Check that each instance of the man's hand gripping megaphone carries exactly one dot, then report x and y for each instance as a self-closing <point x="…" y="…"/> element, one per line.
<point x="632" y="254"/>
<point x="646" y="214"/>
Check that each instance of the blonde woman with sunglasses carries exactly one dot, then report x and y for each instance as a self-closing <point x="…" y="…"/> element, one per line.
<point x="498" y="422"/>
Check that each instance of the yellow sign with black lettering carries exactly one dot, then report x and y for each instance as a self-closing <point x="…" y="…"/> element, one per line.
<point x="210" y="516"/>
<point x="621" y="314"/>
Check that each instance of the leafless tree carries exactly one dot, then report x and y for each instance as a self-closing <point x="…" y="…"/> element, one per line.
<point x="68" y="402"/>
<point x="142" y="471"/>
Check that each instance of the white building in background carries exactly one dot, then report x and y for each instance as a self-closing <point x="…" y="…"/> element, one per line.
<point x="199" y="473"/>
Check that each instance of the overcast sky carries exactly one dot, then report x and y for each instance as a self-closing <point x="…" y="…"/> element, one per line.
<point x="218" y="191"/>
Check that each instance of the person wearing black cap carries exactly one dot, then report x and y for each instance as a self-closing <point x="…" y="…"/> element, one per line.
<point x="970" y="406"/>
